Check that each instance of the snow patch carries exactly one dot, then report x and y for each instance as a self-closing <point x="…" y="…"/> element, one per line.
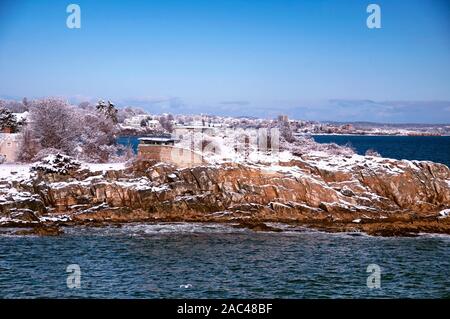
<point x="15" y="171"/>
<point x="95" y="167"/>
<point x="444" y="213"/>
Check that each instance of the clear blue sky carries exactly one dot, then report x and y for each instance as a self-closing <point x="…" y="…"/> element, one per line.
<point x="310" y="59"/>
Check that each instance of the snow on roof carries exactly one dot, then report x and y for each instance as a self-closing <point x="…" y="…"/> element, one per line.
<point x="157" y="139"/>
<point x="21" y="116"/>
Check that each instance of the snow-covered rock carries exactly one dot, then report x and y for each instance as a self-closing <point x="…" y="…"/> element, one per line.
<point x="57" y="164"/>
<point x="312" y="188"/>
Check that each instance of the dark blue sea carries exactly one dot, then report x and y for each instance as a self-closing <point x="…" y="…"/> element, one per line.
<point x="129" y="141"/>
<point x="430" y="148"/>
<point x="180" y="260"/>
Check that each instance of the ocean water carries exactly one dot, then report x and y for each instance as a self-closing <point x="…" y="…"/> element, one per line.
<point x="181" y="260"/>
<point x="129" y="141"/>
<point x="430" y="148"/>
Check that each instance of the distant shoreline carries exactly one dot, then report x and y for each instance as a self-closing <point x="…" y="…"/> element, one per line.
<point x="382" y="135"/>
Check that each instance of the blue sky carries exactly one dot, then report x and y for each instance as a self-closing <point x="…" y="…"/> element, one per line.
<point x="309" y="59"/>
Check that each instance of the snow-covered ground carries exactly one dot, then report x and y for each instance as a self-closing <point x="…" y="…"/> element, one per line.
<point x="95" y="167"/>
<point x="19" y="171"/>
<point x="22" y="171"/>
<point x="325" y="161"/>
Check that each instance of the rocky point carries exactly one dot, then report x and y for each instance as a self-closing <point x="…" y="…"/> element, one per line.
<point x="375" y="195"/>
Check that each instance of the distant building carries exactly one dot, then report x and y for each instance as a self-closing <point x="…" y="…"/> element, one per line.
<point x="10" y="139"/>
<point x="163" y="149"/>
<point x="347" y="127"/>
<point x="153" y="124"/>
<point x="141" y="120"/>
<point x="9" y="147"/>
<point x="283" y="118"/>
<point x="157" y="140"/>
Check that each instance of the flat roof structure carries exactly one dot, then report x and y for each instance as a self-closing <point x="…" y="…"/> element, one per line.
<point x="157" y="140"/>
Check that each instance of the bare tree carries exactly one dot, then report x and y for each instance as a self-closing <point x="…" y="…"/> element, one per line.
<point x="55" y="125"/>
<point x="98" y="140"/>
<point x="28" y="146"/>
<point x="286" y="131"/>
<point x="166" y="124"/>
<point x="14" y="106"/>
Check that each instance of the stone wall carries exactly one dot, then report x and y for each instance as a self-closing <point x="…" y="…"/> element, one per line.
<point x="178" y="156"/>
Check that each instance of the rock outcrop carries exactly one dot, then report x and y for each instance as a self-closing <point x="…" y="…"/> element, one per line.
<point x="354" y="193"/>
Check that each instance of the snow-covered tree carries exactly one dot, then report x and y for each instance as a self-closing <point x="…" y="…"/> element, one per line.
<point x="86" y="106"/>
<point x="15" y="106"/>
<point x="82" y="132"/>
<point x="305" y="144"/>
<point x="286" y="131"/>
<point x="98" y="140"/>
<point x="55" y="124"/>
<point x="128" y="112"/>
<point x="109" y="109"/>
<point x="8" y="120"/>
<point x="166" y="123"/>
<point x="56" y="164"/>
<point x="25" y="102"/>
<point x="29" y="146"/>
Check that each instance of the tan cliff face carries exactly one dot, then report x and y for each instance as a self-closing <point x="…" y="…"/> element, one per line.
<point x="334" y="194"/>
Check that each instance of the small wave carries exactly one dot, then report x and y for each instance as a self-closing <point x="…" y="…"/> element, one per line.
<point x="187" y="286"/>
<point x="11" y="232"/>
<point x="434" y="235"/>
<point x="184" y="227"/>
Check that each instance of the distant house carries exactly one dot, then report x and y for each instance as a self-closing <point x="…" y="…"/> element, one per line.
<point x="9" y="147"/>
<point x="153" y="124"/>
<point x="137" y="122"/>
<point x="9" y="139"/>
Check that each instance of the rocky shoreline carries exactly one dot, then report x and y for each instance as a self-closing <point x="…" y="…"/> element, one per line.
<point x="377" y="196"/>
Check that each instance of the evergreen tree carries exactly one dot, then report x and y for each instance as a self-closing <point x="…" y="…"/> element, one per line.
<point x="8" y="120"/>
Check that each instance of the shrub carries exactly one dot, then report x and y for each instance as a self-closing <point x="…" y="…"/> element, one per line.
<point x="57" y="164"/>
